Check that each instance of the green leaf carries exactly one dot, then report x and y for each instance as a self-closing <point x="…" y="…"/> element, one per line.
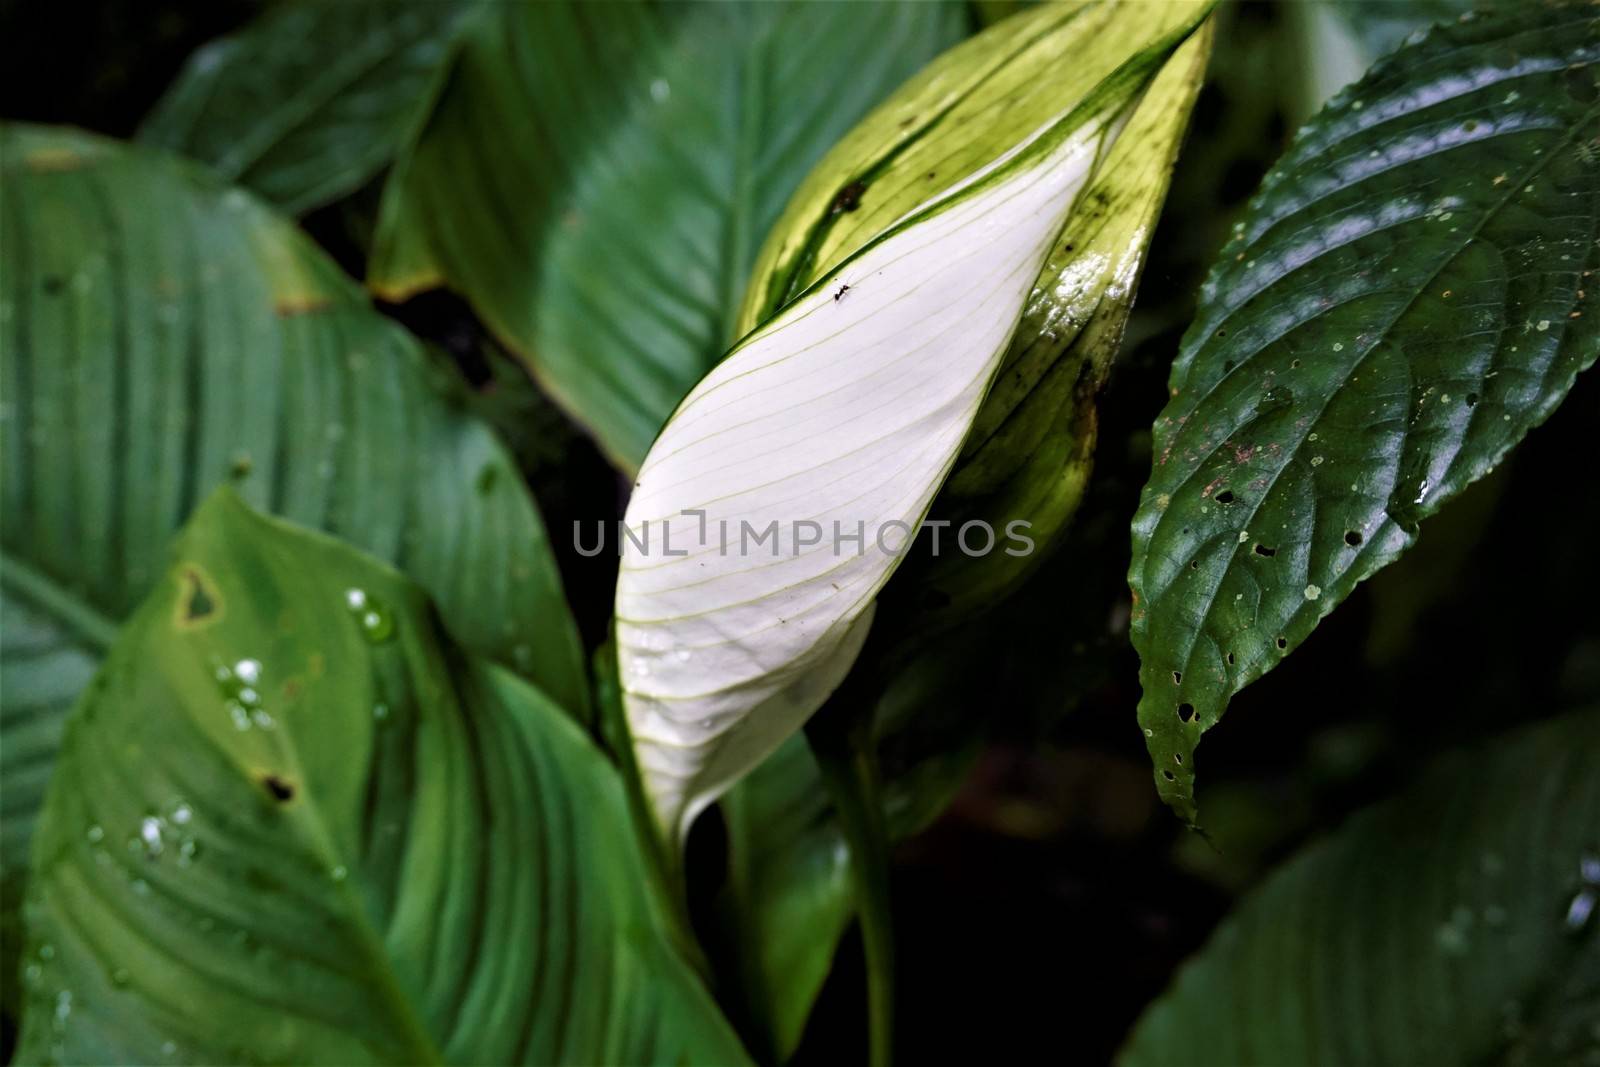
<point x="1383" y="25"/>
<point x="555" y="186"/>
<point x="313" y="99"/>
<point x="1403" y="302"/>
<point x="843" y="414"/>
<point x="1335" y="41"/>
<point x="1031" y="449"/>
<point x="790" y="890"/>
<point x="165" y="334"/>
<point x="306" y="827"/>
<point x="1445" y="926"/>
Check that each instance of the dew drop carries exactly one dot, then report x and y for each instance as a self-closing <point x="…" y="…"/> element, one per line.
<point x="150" y="828"/>
<point x="1580" y="909"/>
<point x="371" y="614"/>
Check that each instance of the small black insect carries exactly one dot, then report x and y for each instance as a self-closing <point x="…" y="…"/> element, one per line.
<point x="843" y="289"/>
<point x="849" y="198"/>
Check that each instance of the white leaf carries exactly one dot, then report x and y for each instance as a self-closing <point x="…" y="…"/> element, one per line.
<point x="841" y="416"/>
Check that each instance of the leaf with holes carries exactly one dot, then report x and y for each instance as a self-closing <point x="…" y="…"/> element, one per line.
<point x="843" y="414"/>
<point x="1450" y="925"/>
<point x="293" y="822"/>
<point x="312" y="100"/>
<point x="554" y="186"/>
<point x="165" y="334"/>
<point x="1405" y="299"/>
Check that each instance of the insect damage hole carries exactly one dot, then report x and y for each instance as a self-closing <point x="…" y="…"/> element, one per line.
<point x="1266" y="551"/>
<point x="1352" y="538"/>
<point x="277" y="788"/>
<point x="1225" y="497"/>
<point x="1185" y="712"/>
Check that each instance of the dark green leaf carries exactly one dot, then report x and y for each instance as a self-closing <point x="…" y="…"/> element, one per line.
<point x="164" y="334"/>
<point x="1446" y="926"/>
<point x="1382" y="25"/>
<point x="555" y="185"/>
<point x="305" y="827"/>
<point x="313" y="99"/>
<point x="1405" y="300"/>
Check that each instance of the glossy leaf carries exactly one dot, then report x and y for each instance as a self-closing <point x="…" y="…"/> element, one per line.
<point x="293" y="822"/>
<point x="309" y="102"/>
<point x="1446" y="926"/>
<point x="1383" y="25"/>
<point x="809" y="427"/>
<point x="1405" y="299"/>
<point x="1337" y="40"/>
<point x="1029" y="454"/>
<point x="165" y="334"/>
<point x="555" y="185"/>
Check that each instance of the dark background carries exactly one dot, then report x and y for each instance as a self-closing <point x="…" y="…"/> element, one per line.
<point x="1056" y="897"/>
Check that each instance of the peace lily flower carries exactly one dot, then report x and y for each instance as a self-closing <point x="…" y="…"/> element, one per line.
<point x="780" y="496"/>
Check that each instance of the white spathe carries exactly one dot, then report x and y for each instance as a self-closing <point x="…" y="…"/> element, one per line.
<point x="848" y="408"/>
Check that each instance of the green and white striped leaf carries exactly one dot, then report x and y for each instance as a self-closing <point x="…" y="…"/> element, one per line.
<point x="165" y="334"/>
<point x="596" y="178"/>
<point x="1454" y="924"/>
<point x="1406" y="298"/>
<point x="294" y="822"/>
<point x="846" y="411"/>
<point x="1027" y="457"/>
<point x="1031" y="449"/>
<point x="313" y="99"/>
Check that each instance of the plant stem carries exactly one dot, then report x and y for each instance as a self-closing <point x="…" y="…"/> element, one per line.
<point x="842" y="742"/>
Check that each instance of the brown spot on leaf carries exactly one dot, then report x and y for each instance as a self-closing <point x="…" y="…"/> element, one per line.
<point x="198" y="604"/>
<point x="280" y="789"/>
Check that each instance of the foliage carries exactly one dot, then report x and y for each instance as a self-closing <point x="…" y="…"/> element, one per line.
<point x="1469" y="882"/>
<point x="1402" y="303"/>
<point x="309" y="758"/>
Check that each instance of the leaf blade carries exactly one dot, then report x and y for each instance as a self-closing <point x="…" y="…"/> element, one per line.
<point x="271" y="902"/>
<point x="808" y="421"/>
<point x="548" y="247"/>
<point x="1370" y="343"/>
<point x="310" y="101"/>
<point x="1415" y="927"/>
<point x="166" y="334"/>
